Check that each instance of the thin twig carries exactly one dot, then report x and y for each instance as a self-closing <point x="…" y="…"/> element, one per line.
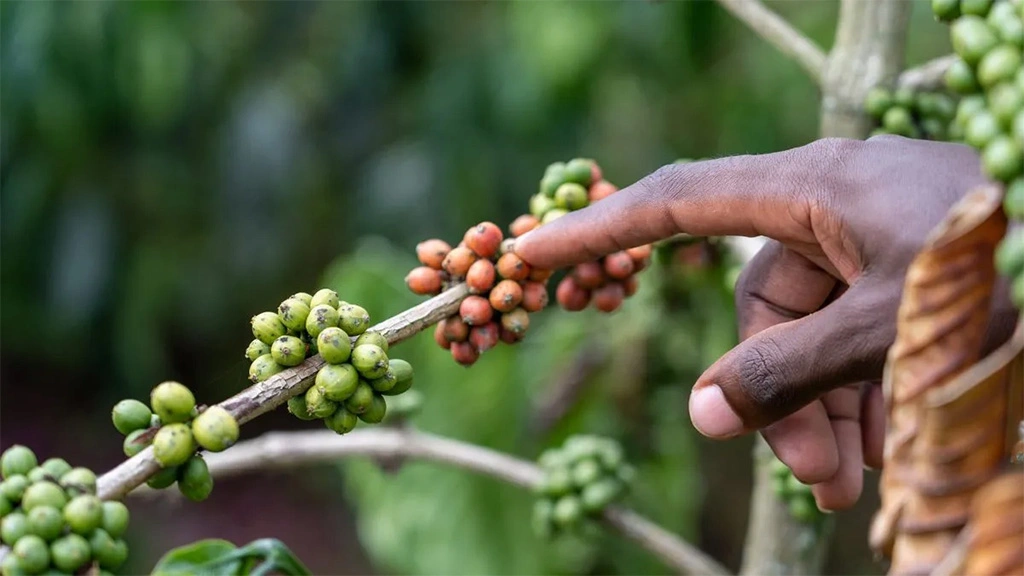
<point x="779" y="33"/>
<point x="927" y="76"/>
<point x="287" y="450"/>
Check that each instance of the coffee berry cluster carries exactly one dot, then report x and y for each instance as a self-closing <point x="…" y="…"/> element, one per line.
<point x="177" y="429"/>
<point x="52" y="520"/>
<point x="357" y="373"/>
<point x="504" y="290"/>
<point x="603" y="283"/>
<point x="580" y="479"/>
<point x="906" y="112"/>
<point x="796" y="495"/>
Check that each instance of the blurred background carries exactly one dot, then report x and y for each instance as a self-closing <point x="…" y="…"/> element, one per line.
<point x="170" y="169"/>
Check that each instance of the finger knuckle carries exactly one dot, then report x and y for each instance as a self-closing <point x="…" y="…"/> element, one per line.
<point x="659" y="181"/>
<point x="763" y="372"/>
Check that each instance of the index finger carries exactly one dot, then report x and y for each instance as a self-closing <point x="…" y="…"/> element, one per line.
<point x="754" y="195"/>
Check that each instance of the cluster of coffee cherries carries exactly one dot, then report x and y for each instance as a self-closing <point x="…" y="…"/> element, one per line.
<point x="52" y="520"/>
<point x="504" y="290"/>
<point x="906" y="112"/>
<point x="796" y="495"/>
<point x="606" y="282"/>
<point x="177" y="429"/>
<point x="580" y="479"/>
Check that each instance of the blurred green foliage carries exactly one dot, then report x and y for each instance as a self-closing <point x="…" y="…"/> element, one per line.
<point x="167" y="169"/>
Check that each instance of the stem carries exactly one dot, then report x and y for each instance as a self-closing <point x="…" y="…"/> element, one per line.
<point x="290" y="449"/>
<point x="779" y="33"/>
<point x="927" y="76"/>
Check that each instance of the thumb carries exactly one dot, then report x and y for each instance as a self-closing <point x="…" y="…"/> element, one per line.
<point x="783" y="368"/>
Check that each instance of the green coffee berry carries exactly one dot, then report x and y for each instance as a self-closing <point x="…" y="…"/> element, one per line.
<point x="905" y="97"/>
<point x="934" y="128"/>
<point x="33" y="554"/>
<point x="10" y="566"/>
<point x="552" y="215"/>
<point x="263" y="368"/>
<point x="79" y="481"/>
<point x="293" y="313"/>
<point x="1003" y="159"/>
<point x="69" y="553"/>
<point x="13" y="488"/>
<point x="554" y="176"/>
<point x="104" y="550"/>
<point x="1013" y="202"/>
<point x="898" y="120"/>
<point x="371" y="361"/>
<point x="585" y="472"/>
<point x="1017" y="126"/>
<point x="998" y="65"/>
<point x="1005" y="101"/>
<point x="1009" y="255"/>
<point x="626" y="474"/>
<point x="972" y="38"/>
<point x="556" y="482"/>
<point x="354" y="320"/>
<point x="946" y="10"/>
<point x="164" y="478"/>
<point x="975" y="7"/>
<point x="288" y="351"/>
<point x="981" y="129"/>
<point x="320" y="318"/>
<point x="596" y="495"/>
<point x="341" y="421"/>
<point x="6" y="506"/>
<point x="172" y="402"/>
<point x="256" y="349"/>
<point x="1010" y="29"/>
<point x="552" y="458"/>
<point x="543" y="510"/>
<point x="334" y="345"/>
<point x="43" y="494"/>
<point x="46" y="522"/>
<point x="304" y="296"/>
<point x="115" y="518"/>
<point x="130" y="415"/>
<point x="135" y="443"/>
<point x="83" y="514"/>
<point x="38" y="474"/>
<point x="877" y="101"/>
<point x="372" y="337"/>
<point x="337" y="381"/>
<point x="215" y="429"/>
<point x="297" y="407"/>
<point x="611" y="457"/>
<point x="541" y="204"/>
<point x="325" y="296"/>
<point x="194" y="479"/>
<point x="173" y="445"/>
<point x="13" y="527"/>
<point x="568" y="511"/>
<point x="317" y="404"/>
<point x="385" y="383"/>
<point x="579" y="171"/>
<point x="267" y="327"/>
<point x="571" y="196"/>
<point x="1017" y="291"/>
<point x="57" y="467"/>
<point x="580" y="447"/>
<point x="960" y="78"/>
<point x="360" y="400"/>
<point x="968" y="107"/>
<point x="403" y="376"/>
<point x="375" y="413"/>
<point x="17" y="459"/>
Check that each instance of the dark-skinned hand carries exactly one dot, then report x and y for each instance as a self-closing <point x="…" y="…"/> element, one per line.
<point x="817" y="305"/>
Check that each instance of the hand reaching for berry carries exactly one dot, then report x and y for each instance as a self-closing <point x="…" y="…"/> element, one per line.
<point x="817" y="305"/>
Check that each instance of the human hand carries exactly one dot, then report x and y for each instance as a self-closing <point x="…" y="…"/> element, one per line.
<point x="817" y="305"/>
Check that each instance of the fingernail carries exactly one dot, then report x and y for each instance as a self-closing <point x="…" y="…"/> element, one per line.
<point x="712" y="415"/>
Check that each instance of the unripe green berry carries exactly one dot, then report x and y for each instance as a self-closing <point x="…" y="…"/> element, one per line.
<point x="567" y="512"/>
<point x="626" y="474"/>
<point x="371" y="361"/>
<point x="1003" y="159"/>
<point x="341" y="421"/>
<point x="946" y="10"/>
<point x="571" y="196"/>
<point x="361" y="399"/>
<point x="215" y="429"/>
<point x="372" y="337"/>
<point x="556" y="482"/>
<point x="585" y="472"/>
<point x="6" y="506"/>
<point x="1017" y="292"/>
<point x="377" y="410"/>
<point x="130" y="415"/>
<point x="13" y="527"/>
<point x="972" y="38"/>
<point x="320" y="318"/>
<point x="43" y="494"/>
<point x="1013" y="201"/>
<point x="579" y="171"/>
<point x="541" y="519"/>
<point x="263" y="368"/>
<point x="1004" y="102"/>
<point x="57" y="467"/>
<point x="552" y="458"/>
<point x="934" y="128"/>
<point x="898" y="120"/>
<point x="79" y="481"/>
<point x="554" y="176"/>
<point x="354" y="320"/>
<point x="385" y="383"/>
<point x="46" y="522"/>
<point x="325" y="296"/>
<point x="1017" y="126"/>
<point x="13" y="488"/>
<point x="38" y="474"/>
<point x="10" y="566"/>
<point x="83" y="514"/>
<point x="33" y="554"/>
<point x="877" y="101"/>
<point x="580" y="447"/>
<point x="317" y="404"/>
<point x="115" y="518"/>
<point x="135" y="443"/>
<point x="541" y="204"/>
<point x="288" y="351"/>
<point x="163" y="479"/>
<point x="173" y="445"/>
<point x="69" y="553"/>
<point x="403" y="376"/>
<point x="596" y="495"/>
<point x="194" y="479"/>
<point x="981" y="129"/>
<point x="610" y="456"/>
<point x="297" y="407"/>
<point x="267" y="327"/>
<point x="975" y="7"/>
<point x="998" y="65"/>
<point x="293" y="314"/>
<point x="17" y="459"/>
<point x="960" y="78"/>
<point x="337" y="381"/>
<point x="256" y="349"/>
<point x="304" y="296"/>
<point x="553" y="214"/>
<point x="1009" y="255"/>
<point x="105" y="550"/>
<point x="334" y="345"/>
<point x="968" y="107"/>
<point x="172" y="402"/>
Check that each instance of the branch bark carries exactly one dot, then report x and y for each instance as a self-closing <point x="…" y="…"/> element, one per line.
<point x="927" y="76"/>
<point x="290" y="449"/>
<point x="779" y="33"/>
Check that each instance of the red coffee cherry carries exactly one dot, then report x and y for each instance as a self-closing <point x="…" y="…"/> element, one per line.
<point x="523" y="224"/>
<point x="619" y="265"/>
<point x="601" y="190"/>
<point x="629" y="286"/>
<point x="609" y="297"/>
<point x="476" y="311"/>
<point x="535" y="296"/>
<point x="589" y="275"/>
<point x="506" y="295"/>
<point x="439" y="336"/>
<point x="424" y="280"/>
<point x="432" y="252"/>
<point x="458" y="261"/>
<point x="512" y="267"/>
<point x="571" y="296"/>
<point x="484" y="239"/>
<point x="480" y="277"/>
<point x="455" y="330"/>
<point x="464" y="353"/>
<point x="516" y="321"/>
<point x="485" y="337"/>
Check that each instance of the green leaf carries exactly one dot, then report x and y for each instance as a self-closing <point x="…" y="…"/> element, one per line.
<point x="221" y="558"/>
<point x="189" y="558"/>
